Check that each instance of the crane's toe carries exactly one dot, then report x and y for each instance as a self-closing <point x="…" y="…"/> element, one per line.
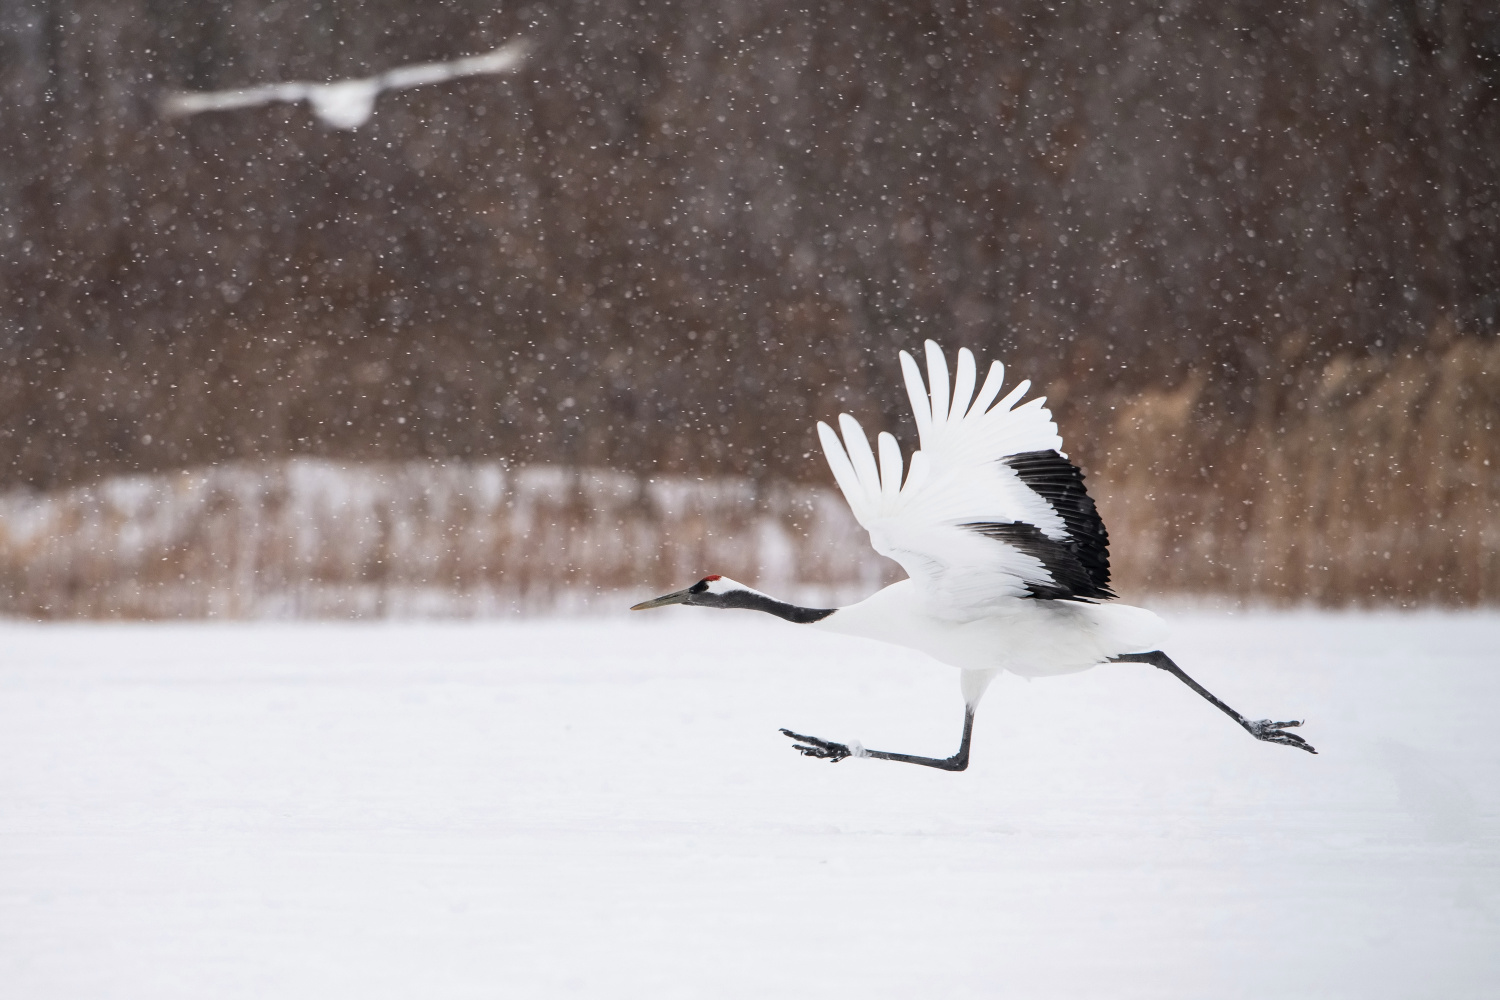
<point x="811" y="746"/>
<point x="1274" y="732"/>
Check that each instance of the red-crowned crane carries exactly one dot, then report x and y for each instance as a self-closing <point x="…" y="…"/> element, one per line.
<point x="1007" y="560"/>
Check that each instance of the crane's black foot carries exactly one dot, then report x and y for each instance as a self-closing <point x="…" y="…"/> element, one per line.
<point x="811" y="746"/>
<point x="1272" y="732"/>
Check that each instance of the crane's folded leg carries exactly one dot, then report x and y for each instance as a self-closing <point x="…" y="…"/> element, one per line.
<point x="1261" y="729"/>
<point x="811" y="746"/>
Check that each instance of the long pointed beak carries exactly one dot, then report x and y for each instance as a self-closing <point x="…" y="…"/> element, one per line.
<point x="678" y="598"/>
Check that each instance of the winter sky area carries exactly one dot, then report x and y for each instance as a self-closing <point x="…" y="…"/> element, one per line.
<point x="604" y="808"/>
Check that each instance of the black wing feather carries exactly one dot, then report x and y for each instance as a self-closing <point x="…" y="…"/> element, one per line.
<point x="1079" y="566"/>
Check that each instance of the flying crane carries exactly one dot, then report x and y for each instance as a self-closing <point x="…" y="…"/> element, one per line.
<point x="1007" y="559"/>
<point x="347" y="104"/>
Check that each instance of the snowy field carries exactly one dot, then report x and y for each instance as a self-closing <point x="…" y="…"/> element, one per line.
<point x="604" y="808"/>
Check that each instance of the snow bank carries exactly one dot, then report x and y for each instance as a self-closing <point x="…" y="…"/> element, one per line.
<point x="309" y="538"/>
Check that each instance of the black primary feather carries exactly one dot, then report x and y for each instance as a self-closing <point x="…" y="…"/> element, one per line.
<point x="1079" y="566"/>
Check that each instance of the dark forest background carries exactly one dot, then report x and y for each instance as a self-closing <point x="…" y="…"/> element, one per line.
<point x="1252" y="256"/>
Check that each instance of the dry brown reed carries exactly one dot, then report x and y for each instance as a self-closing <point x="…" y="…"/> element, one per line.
<point x="1371" y="481"/>
<point x="1360" y="482"/>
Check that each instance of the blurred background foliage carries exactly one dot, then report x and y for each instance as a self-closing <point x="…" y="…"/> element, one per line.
<point x="1250" y="254"/>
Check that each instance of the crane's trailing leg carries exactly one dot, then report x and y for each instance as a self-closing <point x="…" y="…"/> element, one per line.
<point x="811" y="746"/>
<point x="1261" y="729"/>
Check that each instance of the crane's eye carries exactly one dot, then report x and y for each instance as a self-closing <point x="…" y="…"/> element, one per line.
<point x="700" y="586"/>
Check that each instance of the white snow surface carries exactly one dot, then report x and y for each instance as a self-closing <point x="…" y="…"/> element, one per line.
<point x="604" y="808"/>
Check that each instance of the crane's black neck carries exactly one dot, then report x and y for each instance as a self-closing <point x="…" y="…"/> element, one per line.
<point x="752" y="601"/>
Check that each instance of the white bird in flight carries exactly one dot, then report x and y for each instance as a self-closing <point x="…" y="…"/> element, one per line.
<point x="348" y="104"/>
<point x="1007" y="560"/>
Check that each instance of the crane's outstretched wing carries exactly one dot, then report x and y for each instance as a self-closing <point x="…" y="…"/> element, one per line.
<point x="990" y="509"/>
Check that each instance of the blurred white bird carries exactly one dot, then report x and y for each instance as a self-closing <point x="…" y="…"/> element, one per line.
<point x="1007" y="559"/>
<point x="348" y="104"/>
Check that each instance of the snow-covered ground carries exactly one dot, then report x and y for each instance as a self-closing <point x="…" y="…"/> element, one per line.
<point x="605" y="808"/>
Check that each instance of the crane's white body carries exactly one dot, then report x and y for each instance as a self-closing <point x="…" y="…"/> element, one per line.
<point x="1024" y="637"/>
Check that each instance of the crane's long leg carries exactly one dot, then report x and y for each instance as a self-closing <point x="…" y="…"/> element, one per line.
<point x="811" y="746"/>
<point x="1261" y="729"/>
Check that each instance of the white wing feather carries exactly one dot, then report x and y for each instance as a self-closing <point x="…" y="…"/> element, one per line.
<point x="956" y="478"/>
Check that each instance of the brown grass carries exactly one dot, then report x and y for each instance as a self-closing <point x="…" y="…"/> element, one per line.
<point x="1369" y="481"/>
<point x="1373" y="481"/>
